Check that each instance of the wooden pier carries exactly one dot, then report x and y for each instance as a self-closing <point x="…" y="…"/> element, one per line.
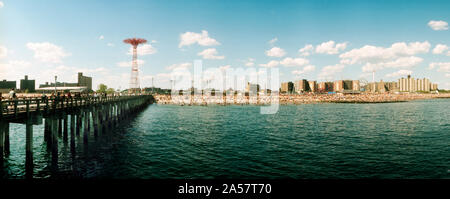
<point x="84" y="114"/>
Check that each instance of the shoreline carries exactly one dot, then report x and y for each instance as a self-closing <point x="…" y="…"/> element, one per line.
<point x="199" y="100"/>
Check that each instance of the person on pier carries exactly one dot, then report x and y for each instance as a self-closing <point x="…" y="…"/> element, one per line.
<point x="12" y="94"/>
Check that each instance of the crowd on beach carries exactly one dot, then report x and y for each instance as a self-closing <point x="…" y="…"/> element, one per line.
<point x="240" y="99"/>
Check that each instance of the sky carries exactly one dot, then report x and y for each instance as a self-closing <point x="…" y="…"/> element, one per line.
<point x="315" y="40"/>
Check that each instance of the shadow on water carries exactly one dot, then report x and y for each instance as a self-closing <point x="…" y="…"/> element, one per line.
<point x="404" y="140"/>
<point x="66" y="156"/>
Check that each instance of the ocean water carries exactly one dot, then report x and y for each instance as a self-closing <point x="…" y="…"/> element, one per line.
<point x="395" y="140"/>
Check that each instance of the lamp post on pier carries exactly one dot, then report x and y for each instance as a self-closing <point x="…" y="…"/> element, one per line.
<point x="55" y="83"/>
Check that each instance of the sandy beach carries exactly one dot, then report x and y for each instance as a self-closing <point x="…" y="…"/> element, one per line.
<point x="292" y="99"/>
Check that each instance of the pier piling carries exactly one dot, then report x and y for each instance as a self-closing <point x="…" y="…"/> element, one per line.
<point x="2" y="141"/>
<point x="104" y="113"/>
<point x="6" y="138"/>
<point x="54" y="144"/>
<point x="65" y="129"/>
<point x="29" y="149"/>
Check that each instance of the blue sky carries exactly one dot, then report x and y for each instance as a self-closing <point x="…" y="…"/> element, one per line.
<point x="348" y="39"/>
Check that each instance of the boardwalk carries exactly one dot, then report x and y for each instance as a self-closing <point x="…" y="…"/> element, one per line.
<point x="84" y="114"/>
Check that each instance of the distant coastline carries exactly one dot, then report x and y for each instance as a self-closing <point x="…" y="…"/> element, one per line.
<point x="366" y="98"/>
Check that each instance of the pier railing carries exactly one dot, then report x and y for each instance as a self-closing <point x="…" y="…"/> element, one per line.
<point x="11" y="108"/>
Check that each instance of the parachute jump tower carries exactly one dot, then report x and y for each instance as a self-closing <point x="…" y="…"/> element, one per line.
<point x="134" y="78"/>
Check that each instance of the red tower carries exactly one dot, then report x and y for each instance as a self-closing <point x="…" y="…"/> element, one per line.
<point x="134" y="79"/>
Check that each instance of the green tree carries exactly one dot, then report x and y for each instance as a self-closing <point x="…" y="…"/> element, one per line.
<point x="102" y="88"/>
<point x="110" y="90"/>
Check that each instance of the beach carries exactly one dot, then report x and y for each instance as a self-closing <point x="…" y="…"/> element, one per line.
<point x="290" y="99"/>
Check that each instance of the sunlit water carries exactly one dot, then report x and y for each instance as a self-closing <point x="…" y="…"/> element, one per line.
<point x="399" y="140"/>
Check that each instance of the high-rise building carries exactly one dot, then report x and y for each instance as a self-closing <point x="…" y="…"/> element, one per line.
<point x="312" y="86"/>
<point x="287" y="87"/>
<point x="252" y="88"/>
<point x="325" y="87"/>
<point x="347" y="84"/>
<point x="301" y="86"/>
<point x="338" y="86"/>
<point x="380" y="87"/>
<point x="356" y="86"/>
<point x="27" y="85"/>
<point x="412" y="85"/>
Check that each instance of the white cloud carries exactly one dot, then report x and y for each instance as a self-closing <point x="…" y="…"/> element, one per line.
<point x="330" y="47"/>
<point x="440" y="48"/>
<point x="203" y="39"/>
<point x="438" y="25"/>
<point x="447" y="75"/>
<point x="374" y="54"/>
<point x="399" y="73"/>
<point x="47" y="52"/>
<point x="250" y="62"/>
<point x="272" y="42"/>
<point x="181" y="65"/>
<point x="146" y="49"/>
<point x="110" y="44"/>
<point x="431" y="66"/>
<point x="306" y="51"/>
<point x="275" y="52"/>
<point x="306" y="69"/>
<point x="329" y="72"/>
<point x="210" y="53"/>
<point x="294" y="61"/>
<point x="3" y="52"/>
<point x="2" y="4"/>
<point x="130" y="63"/>
<point x="101" y="37"/>
<point x="13" y="65"/>
<point x="402" y="62"/>
<point x="224" y="68"/>
<point x="443" y="66"/>
<point x="271" y="64"/>
<point x="15" y="69"/>
<point x="154" y="42"/>
<point x="19" y="63"/>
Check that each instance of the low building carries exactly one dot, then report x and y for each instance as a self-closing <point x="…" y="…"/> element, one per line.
<point x="84" y="81"/>
<point x="27" y="85"/>
<point x="433" y="87"/>
<point x="64" y="89"/>
<point x="58" y="84"/>
<point x="391" y="86"/>
<point x="382" y="87"/>
<point x="6" y="86"/>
